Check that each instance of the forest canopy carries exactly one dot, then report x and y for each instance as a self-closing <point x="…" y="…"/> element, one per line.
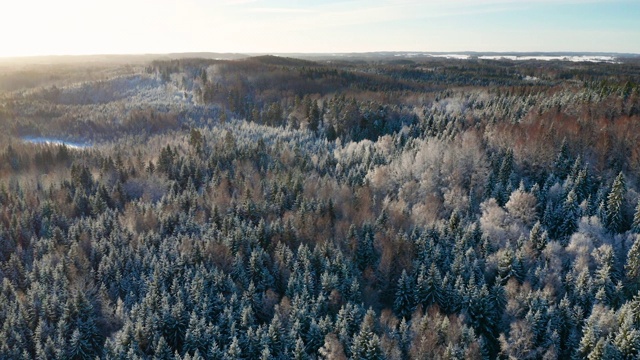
<point x="279" y="208"/>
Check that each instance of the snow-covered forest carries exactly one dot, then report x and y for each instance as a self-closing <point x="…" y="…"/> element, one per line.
<point x="277" y="208"/>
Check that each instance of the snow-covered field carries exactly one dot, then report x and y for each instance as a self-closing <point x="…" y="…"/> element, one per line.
<point x="452" y="56"/>
<point x="54" y="141"/>
<point x="582" y="58"/>
<point x="573" y="58"/>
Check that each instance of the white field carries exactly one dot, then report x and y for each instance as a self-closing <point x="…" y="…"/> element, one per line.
<point x="583" y="58"/>
<point x="53" y="141"/>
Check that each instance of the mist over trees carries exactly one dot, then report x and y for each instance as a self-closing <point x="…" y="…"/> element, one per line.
<point x="277" y="208"/>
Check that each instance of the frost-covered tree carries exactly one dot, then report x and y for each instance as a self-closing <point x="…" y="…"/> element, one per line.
<point x="405" y="296"/>
<point x="615" y="205"/>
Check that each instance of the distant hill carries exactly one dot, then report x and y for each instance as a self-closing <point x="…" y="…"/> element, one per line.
<point x="115" y="58"/>
<point x="281" y="61"/>
<point x="309" y="59"/>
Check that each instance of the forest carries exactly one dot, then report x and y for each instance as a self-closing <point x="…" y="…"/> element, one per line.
<point x="270" y="207"/>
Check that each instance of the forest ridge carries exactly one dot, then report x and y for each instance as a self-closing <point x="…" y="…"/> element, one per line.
<point x="281" y="208"/>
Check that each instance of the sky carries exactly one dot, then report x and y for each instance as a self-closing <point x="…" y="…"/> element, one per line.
<point x="74" y="27"/>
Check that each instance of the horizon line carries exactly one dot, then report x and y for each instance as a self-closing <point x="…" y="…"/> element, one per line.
<point x="259" y="53"/>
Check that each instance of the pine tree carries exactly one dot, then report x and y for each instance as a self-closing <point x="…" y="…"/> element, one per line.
<point x="615" y="204"/>
<point x="632" y="267"/>
<point x="366" y="344"/>
<point x="214" y="352"/>
<point x="404" y="300"/>
<point x="275" y="334"/>
<point x="538" y="237"/>
<point x="195" y="338"/>
<point x="627" y="339"/>
<point x="90" y="340"/>
<point x="79" y="348"/>
<point x="603" y="277"/>
<point x="482" y="317"/>
<point x="299" y="350"/>
<point x="589" y="341"/>
<point x="347" y="323"/>
<point x="175" y="324"/>
<point x="553" y="219"/>
<point x="564" y="160"/>
<point x="365" y="255"/>
<point x="505" y="265"/>
<point x="404" y="337"/>
<point x="314" y="116"/>
<point x="635" y="227"/>
<point x="571" y="215"/>
<point x="429" y="287"/>
<point x="266" y="353"/>
<point x="162" y="350"/>
<point x="314" y="338"/>
<point x="610" y="352"/>
<point x="234" y="352"/>
<point x="498" y="298"/>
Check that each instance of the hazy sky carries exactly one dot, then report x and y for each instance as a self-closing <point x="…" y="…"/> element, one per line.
<point x="46" y="27"/>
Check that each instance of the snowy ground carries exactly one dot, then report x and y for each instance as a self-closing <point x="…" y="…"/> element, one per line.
<point x="587" y="58"/>
<point x="452" y="56"/>
<point x="54" y="141"/>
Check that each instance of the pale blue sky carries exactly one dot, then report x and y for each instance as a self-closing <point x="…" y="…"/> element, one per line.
<point x="44" y="27"/>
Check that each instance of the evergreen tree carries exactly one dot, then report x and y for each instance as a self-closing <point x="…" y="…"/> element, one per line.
<point x="506" y="265"/>
<point x="196" y="337"/>
<point x="482" y="318"/>
<point x="571" y="215"/>
<point x="615" y="205"/>
<point x="234" y="352"/>
<point x="404" y="300"/>
<point x="627" y="339"/>
<point x="632" y="267"/>
<point x="275" y="335"/>
<point x="162" y="350"/>
<point x="429" y="287"/>
<point x="299" y="350"/>
<point x="610" y="352"/>
<point x="314" y="337"/>
<point x="214" y="352"/>
<point x="366" y="344"/>
<point x="636" y="219"/>
<point x="79" y="348"/>
<point x="347" y="323"/>
<point x="589" y="342"/>
<point x="553" y="219"/>
<point x="86" y="340"/>
<point x="365" y="254"/>
<point x="538" y="237"/>
<point x="564" y="161"/>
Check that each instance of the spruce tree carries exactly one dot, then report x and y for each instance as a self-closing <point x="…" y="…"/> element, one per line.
<point x="366" y="344"/>
<point x="627" y="339"/>
<point x="234" y="352"/>
<point x="404" y="300"/>
<point x="564" y="161"/>
<point x="538" y="237"/>
<point x="505" y="265"/>
<point x="632" y="267"/>
<point x="570" y="215"/>
<point x="635" y="226"/>
<point x="482" y="317"/>
<point x="428" y="286"/>
<point x="163" y="350"/>
<point x="615" y="205"/>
